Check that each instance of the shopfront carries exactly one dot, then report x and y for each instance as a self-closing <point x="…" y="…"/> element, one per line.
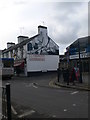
<point x="85" y="62"/>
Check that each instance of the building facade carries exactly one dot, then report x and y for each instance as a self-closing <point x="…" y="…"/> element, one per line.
<point x="79" y="53"/>
<point x="38" y="45"/>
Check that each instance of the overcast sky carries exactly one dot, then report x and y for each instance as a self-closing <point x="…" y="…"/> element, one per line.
<point x="66" y="21"/>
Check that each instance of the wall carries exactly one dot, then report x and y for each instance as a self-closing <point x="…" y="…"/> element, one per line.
<point x="43" y="48"/>
<point x="42" y="62"/>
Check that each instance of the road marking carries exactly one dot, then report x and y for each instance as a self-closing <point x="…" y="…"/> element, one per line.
<point x="74" y="92"/>
<point x="27" y="113"/>
<point x="74" y="105"/>
<point x="54" y="116"/>
<point x="14" y="111"/>
<point x="33" y="84"/>
<point x="65" y="110"/>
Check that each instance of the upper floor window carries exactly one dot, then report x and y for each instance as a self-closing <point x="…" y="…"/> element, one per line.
<point x="29" y="46"/>
<point x="36" y="46"/>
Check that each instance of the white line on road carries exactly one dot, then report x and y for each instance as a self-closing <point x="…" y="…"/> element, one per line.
<point x="14" y="111"/>
<point x="74" y="105"/>
<point x="54" y="116"/>
<point x="35" y="86"/>
<point x="32" y="85"/>
<point x="65" y="110"/>
<point x="74" y="92"/>
<point x="27" y="113"/>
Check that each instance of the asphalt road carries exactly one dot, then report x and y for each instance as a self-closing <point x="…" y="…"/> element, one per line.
<point x="53" y="102"/>
<point x="0" y="108"/>
<point x="0" y="100"/>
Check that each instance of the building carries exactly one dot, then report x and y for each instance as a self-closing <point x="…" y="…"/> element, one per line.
<point x="79" y="52"/>
<point x="62" y="61"/>
<point x="0" y="53"/>
<point x="38" y="53"/>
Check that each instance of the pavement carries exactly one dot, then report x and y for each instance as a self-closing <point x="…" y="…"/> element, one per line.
<point x="85" y="85"/>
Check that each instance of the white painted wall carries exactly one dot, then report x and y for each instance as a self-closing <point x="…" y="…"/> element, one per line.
<point x="19" y="53"/>
<point x="5" y="55"/>
<point x="43" y="35"/>
<point x="46" y="63"/>
<point x="9" y="54"/>
<point x="23" y="52"/>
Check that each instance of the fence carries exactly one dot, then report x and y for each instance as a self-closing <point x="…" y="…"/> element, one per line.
<point x="6" y="103"/>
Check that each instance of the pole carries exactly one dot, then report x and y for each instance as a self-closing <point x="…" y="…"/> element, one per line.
<point x="8" y="101"/>
<point x="80" y="80"/>
<point x="58" y="74"/>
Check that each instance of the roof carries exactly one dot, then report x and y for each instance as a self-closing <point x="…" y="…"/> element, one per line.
<point x="82" y="41"/>
<point x="53" y="41"/>
<point x="22" y="36"/>
<point x="10" y="43"/>
<point x="40" y="26"/>
<point x="20" y="44"/>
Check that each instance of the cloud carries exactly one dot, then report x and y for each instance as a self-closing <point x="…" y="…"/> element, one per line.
<point x="66" y="21"/>
<point x="70" y="21"/>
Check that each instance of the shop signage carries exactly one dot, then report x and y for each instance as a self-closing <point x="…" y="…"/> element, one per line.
<point x="84" y="55"/>
<point x="37" y="57"/>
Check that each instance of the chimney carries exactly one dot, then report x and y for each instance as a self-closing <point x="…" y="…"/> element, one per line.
<point x="10" y="44"/>
<point x="22" y="38"/>
<point x="42" y="30"/>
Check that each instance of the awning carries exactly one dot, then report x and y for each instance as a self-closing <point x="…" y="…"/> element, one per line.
<point x="19" y="63"/>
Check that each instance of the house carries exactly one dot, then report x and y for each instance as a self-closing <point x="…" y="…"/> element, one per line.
<point x="82" y="45"/>
<point x="38" y="53"/>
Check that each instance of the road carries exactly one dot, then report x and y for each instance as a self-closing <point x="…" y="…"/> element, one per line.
<point x="0" y="98"/>
<point x="53" y="102"/>
<point x="0" y="104"/>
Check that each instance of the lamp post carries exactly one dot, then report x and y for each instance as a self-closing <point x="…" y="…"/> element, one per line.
<point x="80" y="80"/>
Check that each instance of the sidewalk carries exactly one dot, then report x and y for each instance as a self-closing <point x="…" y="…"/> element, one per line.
<point x="85" y="85"/>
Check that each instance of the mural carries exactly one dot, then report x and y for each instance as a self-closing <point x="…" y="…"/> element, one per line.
<point x="38" y="46"/>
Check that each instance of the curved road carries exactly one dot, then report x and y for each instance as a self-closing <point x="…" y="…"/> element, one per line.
<point x="53" y="102"/>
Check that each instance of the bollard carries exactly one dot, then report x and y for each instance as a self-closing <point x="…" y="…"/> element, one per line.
<point x="8" y="101"/>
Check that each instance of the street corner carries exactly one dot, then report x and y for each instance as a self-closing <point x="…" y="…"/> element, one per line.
<point x="76" y="86"/>
<point x="52" y="84"/>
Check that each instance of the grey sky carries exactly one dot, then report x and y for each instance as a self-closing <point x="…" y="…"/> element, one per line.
<point x="66" y="21"/>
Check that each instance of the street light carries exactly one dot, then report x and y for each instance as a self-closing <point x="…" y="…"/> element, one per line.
<point x="80" y="80"/>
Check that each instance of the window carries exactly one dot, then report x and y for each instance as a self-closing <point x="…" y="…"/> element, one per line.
<point x="29" y="46"/>
<point x="36" y="46"/>
<point x="7" y="63"/>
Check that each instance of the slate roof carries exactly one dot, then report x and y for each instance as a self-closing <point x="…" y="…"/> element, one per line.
<point x="20" y="44"/>
<point x="82" y="41"/>
<point x="40" y="26"/>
